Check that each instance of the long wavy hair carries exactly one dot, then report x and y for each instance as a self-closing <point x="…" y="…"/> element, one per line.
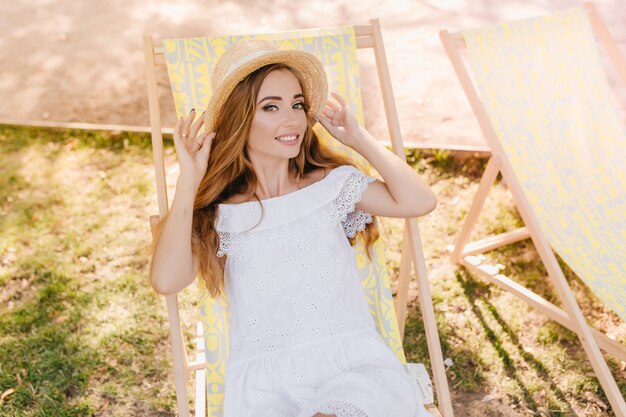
<point x="230" y="172"/>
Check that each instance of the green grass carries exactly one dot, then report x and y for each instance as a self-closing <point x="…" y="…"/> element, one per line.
<point x="82" y="334"/>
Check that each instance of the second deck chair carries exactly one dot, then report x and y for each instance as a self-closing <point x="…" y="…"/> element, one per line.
<point x="544" y="106"/>
<point x="190" y="62"/>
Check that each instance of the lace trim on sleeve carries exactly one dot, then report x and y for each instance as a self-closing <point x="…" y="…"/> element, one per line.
<point x="225" y="243"/>
<point x="353" y="221"/>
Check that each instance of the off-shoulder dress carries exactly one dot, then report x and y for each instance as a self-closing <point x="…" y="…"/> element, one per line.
<point x="302" y="340"/>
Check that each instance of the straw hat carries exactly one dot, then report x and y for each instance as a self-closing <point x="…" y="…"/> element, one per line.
<point x="247" y="56"/>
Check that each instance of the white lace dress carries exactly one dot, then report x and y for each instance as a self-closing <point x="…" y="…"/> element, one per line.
<point x="301" y="338"/>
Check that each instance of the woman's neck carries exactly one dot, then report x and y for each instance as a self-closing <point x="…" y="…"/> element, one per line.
<point x="273" y="180"/>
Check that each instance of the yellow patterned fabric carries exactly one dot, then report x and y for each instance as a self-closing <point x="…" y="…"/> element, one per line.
<point x="549" y="102"/>
<point x="190" y="64"/>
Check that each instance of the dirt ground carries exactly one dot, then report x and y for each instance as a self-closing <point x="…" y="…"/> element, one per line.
<point x="82" y="61"/>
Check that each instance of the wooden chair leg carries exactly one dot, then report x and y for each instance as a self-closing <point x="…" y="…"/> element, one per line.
<point x="180" y="356"/>
<point x="487" y="180"/>
<point x="402" y="294"/>
<point x="430" y="322"/>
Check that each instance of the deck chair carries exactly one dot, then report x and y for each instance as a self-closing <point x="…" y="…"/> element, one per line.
<point x="543" y="104"/>
<point x="189" y="64"/>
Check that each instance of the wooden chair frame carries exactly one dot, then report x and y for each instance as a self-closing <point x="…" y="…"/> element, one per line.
<point x="468" y="254"/>
<point x="367" y="36"/>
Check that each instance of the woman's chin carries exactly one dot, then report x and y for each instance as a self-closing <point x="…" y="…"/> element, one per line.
<point x="289" y="149"/>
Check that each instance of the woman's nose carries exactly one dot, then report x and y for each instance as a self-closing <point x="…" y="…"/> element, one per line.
<point x="290" y="119"/>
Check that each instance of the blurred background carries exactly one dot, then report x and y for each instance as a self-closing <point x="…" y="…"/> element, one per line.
<point x="82" y="61"/>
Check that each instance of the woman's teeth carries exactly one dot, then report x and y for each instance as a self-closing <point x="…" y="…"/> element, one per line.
<point x="286" y="138"/>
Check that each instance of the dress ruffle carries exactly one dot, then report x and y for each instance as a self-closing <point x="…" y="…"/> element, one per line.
<point x="241" y="226"/>
<point x="354" y="375"/>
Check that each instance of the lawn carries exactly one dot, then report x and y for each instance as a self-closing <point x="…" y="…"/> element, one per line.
<point x="82" y="333"/>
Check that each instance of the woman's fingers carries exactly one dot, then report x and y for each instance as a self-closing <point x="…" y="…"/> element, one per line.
<point x="334" y="116"/>
<point x="332" y="104"/>
<point x="335" y="109"/>
<point x="331" y="110"/>
<point x="177" y="127"/>
<point x="207" y="139"/>
<point x="184" y="132"/>
<point x="189" y="120"/>
<point x="338" y="104"/>
<point x="340" y="99"/>
<point x="203" y="142"/>
<point x="196" y="143"/>
<point x="178" y="142"/>
<point x="328" y="124"/>
<point x="195" y="127"/>
<point x="323" y="118"/>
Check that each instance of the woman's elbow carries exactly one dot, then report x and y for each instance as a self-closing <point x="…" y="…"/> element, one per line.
<point x="430" y="202"/>
<point x="162" y="286"/>
<point x="163" y="283"/>
<point x="169" y="275"/>
<point x="426" y="203"/>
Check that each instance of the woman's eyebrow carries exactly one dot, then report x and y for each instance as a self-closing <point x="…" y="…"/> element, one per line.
<point x="299" y="95"/>
<point x="270" y="98"/>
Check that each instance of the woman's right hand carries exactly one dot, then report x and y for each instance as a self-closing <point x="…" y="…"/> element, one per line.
<point x="192" y="149"/>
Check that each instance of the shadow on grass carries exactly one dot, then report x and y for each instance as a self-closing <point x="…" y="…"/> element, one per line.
<point x="467" y="372"/>
<point x="475" y="291"/>
<point x="523" y="263"/>
<point x="44" y="360"/>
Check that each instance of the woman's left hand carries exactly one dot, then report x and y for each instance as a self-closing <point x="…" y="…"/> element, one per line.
<point x="341" y="122"/>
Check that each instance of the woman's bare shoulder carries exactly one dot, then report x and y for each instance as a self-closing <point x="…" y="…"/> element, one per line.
<point x="314" y="176"/>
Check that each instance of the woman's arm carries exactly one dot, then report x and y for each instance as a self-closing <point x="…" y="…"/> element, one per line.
<point x="173" y="267"/>
<point x="402" y="193"/>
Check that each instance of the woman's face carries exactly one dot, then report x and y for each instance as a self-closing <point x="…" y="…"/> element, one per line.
<point x="279" y="121"/>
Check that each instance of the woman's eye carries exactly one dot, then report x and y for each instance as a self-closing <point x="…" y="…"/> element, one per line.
<point x="270" y="107"/>
<point x="299" y="106"/>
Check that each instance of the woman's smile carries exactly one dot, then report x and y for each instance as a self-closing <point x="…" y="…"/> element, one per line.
<point x="290" y="139"/>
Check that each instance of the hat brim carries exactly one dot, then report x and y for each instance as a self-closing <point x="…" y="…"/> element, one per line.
<point x="307" y="67"/>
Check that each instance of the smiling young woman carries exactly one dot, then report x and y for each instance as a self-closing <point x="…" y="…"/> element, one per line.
<point x="277" y="130"/>
<point x="266" y="213"/>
